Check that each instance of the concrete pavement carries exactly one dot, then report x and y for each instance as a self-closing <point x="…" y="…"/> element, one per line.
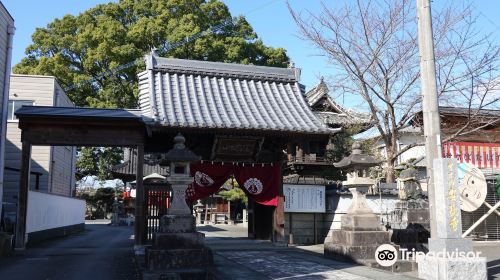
<point x="100" y="252"/>
<point x="239" y="258"/>
<point x="105" y="252"/>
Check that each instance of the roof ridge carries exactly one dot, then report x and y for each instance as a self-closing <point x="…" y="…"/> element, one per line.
<point x="76" y="108"/>
<point x="234" y="70"/>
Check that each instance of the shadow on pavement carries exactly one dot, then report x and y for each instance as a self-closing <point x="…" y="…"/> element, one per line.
<point x="209" y="228"/>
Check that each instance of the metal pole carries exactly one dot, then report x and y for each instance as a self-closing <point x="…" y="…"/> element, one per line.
<point x="481" y="220"/>
<point x="489" y="206"/>
<point x="430" y="111"/>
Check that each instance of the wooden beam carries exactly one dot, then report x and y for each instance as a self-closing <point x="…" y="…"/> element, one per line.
<point x="99" y="136"/>
<point x="22" y="200"/>
<point x="140" y="203"/>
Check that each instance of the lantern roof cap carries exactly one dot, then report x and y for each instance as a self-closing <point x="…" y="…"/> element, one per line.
<point x="179" y="153"/>
<point x="356" y="160"/>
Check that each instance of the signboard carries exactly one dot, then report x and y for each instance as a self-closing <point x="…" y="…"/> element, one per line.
<point x="481" y="155"/>
<point x="236" y="148"/>
<point x="473" y="187"/>
<point x="304" y="198"/>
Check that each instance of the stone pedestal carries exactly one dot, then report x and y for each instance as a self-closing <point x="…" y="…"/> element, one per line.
<point x="359" y="237"/>
<point x="410" y="224"/>
<point x="452" y="268"/>
<point x="178" y="250"/>
<point x="441" y="263"/>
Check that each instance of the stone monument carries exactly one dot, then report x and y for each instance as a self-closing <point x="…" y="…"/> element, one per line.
<point x="445" y="259"/>
<point x="178" y="250"/>
<point x="409" y="220"/>
<point x="116" y="211"/>
<point x="361" y="232"/>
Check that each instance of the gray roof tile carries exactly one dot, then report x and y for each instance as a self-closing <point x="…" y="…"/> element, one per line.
<point x="200" y="94"/>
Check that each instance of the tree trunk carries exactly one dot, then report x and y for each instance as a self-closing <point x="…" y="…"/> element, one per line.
<point x="390" y="177"/>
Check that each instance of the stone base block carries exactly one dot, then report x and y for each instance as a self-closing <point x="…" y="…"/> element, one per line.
<point x="349" y="253"/>
<point x="177" y="223"/>
<point x="411" y="238"/>
<point x="398" y="267"/>
<point x="187" y="240"/>
<point x="434" y="268"/>
<point x="360" y="238"/>
<point x="158" y="259"/>
<point x="360" y="222"/>
<point x="450" y="244"/>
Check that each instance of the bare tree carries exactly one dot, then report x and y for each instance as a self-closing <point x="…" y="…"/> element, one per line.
<point x="373" y="44"/>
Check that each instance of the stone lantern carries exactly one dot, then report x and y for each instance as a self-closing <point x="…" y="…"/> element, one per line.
<point x="179" y="159"/>
<point x="360" y="232"/>
<point x="358" y="181"/>
<point x="198" y="209"/>
<point x="178" y="249"/>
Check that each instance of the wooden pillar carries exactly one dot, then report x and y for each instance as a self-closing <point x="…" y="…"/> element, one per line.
<point x="140" y="201"/>
<point x="289" y="150"/>
<point x="307" y="150"/>
<point x="22" y="200"/>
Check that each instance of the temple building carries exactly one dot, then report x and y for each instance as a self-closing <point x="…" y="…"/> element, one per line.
<point x="238" y="118"/>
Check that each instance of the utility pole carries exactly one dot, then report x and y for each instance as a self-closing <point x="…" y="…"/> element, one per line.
<point x="432" y="130"/>
<point x="442" y="186"/>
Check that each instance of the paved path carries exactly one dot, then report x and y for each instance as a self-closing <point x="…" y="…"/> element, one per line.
<point x="100" y="252"/>
<point x="239" y="258"/>
<point x="105" y="252"/>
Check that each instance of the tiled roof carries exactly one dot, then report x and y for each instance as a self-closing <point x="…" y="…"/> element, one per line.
<point x="461" y="111"/>
<point x="338" y="116"/>
<point x="127" y="170"/>
<point x="71" y="112"/>
<point x="199" y="94"/>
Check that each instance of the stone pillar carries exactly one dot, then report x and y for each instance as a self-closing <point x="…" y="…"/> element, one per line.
<point x="447" y="240"/>
<point x="245" y="220"/>
<point x="179" y="205"/>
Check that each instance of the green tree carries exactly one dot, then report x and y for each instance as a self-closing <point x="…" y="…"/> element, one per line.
<point x="97" y="162"/>
<point x="105" y="197"/>
<point x="93" y="44"/>
<point x="86" y="46"/>
<point x="234" y="194"/>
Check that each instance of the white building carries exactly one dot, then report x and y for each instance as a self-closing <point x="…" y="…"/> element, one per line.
<point x="55" y="166"/>
<point x="6" y="36"/>
<point x="52" y="209"/>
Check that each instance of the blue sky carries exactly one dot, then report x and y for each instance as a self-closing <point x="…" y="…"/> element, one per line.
<point x="269" y="18"/>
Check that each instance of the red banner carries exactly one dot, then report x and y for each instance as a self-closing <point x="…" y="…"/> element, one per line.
<point x="208" y="178"/>
<point x="481" y="155"/>
<point x="260" y="182"/>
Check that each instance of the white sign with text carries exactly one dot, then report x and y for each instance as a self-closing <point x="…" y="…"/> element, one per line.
<point x="304" y="198"/>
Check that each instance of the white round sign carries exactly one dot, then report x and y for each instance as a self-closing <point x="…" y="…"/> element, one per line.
<point x="473" y="187"/>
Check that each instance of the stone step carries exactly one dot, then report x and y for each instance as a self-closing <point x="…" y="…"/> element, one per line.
<point x="178" y="258"/>
<point x="188" y="240"/>
<point x="360" y="238"/>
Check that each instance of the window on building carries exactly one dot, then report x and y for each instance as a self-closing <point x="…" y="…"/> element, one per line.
<point x="14" y="105"/>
